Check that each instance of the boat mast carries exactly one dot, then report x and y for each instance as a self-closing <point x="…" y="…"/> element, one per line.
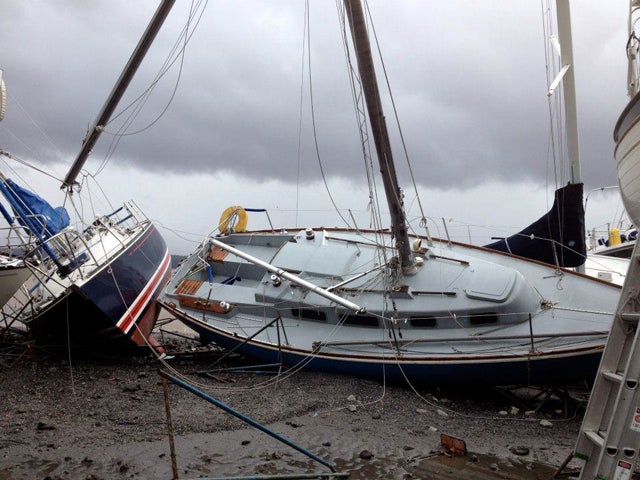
<point x="117" y="92"/>
<point x="379" y="130"/>
<point x="569" y="87"/>
<point x="563" y="14"/>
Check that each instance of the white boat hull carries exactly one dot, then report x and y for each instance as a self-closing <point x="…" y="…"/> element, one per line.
<point x="13" y="274"/>
<point x="627" y="156"/>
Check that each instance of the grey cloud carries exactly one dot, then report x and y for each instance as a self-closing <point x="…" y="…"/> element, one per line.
<point x="468" y="80"/>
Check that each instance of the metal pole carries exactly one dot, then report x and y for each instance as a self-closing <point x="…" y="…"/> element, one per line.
<point x="246" y="419"/>
<point x="289" y="276"/>
<point x="172" y="447"/>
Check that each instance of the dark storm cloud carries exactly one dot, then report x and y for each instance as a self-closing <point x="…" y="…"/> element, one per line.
<point x="468" y="79"/>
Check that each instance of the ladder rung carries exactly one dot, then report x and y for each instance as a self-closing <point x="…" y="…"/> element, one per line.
<point x="595" y="437"/>
<point x="612" y="376"/>
<point x="629" y="317"/>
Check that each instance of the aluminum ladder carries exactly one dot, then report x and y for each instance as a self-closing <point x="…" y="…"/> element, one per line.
<point x="609" y="438"/>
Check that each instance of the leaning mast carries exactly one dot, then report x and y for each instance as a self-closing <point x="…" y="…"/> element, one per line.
<point x="367" y="72"/>
<point x="117" y="92"/>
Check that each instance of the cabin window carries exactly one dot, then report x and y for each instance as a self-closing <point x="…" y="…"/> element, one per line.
<point x="483" y="318"/>
<point x="308" y="314"/>
<point x="361" y="320"/>
<point x="422" y="322"/>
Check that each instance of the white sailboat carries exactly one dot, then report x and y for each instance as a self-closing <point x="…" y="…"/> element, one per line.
<point x="627" y="130"/>
<point x="386" y="304"/>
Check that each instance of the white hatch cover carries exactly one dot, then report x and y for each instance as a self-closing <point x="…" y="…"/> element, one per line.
<point x="494" y="285"/>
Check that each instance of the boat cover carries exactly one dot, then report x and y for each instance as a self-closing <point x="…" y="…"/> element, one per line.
<point x="47" y="219"/>
<point x="558" y="237"/>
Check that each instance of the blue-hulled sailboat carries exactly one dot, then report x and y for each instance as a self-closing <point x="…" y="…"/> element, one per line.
<point x="93" y="289"/>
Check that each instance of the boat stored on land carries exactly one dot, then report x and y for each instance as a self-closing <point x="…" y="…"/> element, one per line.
<point x="386" y="304"/>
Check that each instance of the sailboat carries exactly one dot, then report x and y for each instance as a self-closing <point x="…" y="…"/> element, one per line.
<point x="627" y="129"/>
<point x="387" y="304"/>
<point x="93" y="288"/>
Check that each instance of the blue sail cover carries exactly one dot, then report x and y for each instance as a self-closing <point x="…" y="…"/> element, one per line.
<point x="46" y="219"/>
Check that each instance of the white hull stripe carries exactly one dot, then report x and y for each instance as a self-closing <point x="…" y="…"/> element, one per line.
<point x="129" y="318"/>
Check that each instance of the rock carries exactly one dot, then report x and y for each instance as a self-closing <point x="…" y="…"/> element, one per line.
<point x="546" y="423"/>
<point x="528" y="413"/>
<point x="504" y="413"/>
<point x="44" y="426"/>
<point x="351" y="408"/>
<point x="494" y="467"/>
<point x="442" y="413"/>
<point x="475" y="459"/>
<point x="245" y="442"/>
<point x="366" y="455"/>
<point x="433" y="429"/>
<point x="351" y="398"/>
<point x="326" y="444"/>
<point x="407" y="448"/>
<point x="514" y="410"/>
<point x="421" y="410"/>
<point x="519" y="450"/>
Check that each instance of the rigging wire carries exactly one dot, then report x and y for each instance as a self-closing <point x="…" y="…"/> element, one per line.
<point x="361" y="120"/>
<point x="557" y="131"/>
<point x="305" y="23"/>
<point x="38" y="127"/>
<point x="554" y="104"/>
<point x="29" y="165"/>
<point x="314" y="129"/>
<point x="135" y="106"/>
<point x="423" y="218"/>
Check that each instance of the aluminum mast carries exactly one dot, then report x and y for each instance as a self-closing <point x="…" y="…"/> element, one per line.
<point x="117" y="92"/>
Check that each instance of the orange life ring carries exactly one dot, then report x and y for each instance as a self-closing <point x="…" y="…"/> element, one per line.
<point x="233" y="220"/>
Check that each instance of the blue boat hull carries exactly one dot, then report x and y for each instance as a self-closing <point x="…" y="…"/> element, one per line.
<point x="115" y="309"/>
<point x="568" y="366"/>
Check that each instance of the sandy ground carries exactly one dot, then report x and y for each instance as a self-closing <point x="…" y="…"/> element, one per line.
<point x="106" y="419"/>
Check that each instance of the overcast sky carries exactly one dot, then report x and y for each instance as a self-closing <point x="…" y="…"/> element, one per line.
<point x="468" y="78"/>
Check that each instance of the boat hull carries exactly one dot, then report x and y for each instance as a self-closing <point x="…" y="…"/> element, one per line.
<point x="558" y="367"/>
<point x="113" y="310"/>
<point x="627" y="156"/>
<point x="12" y="277"/>
<point x="469" y="315"/>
